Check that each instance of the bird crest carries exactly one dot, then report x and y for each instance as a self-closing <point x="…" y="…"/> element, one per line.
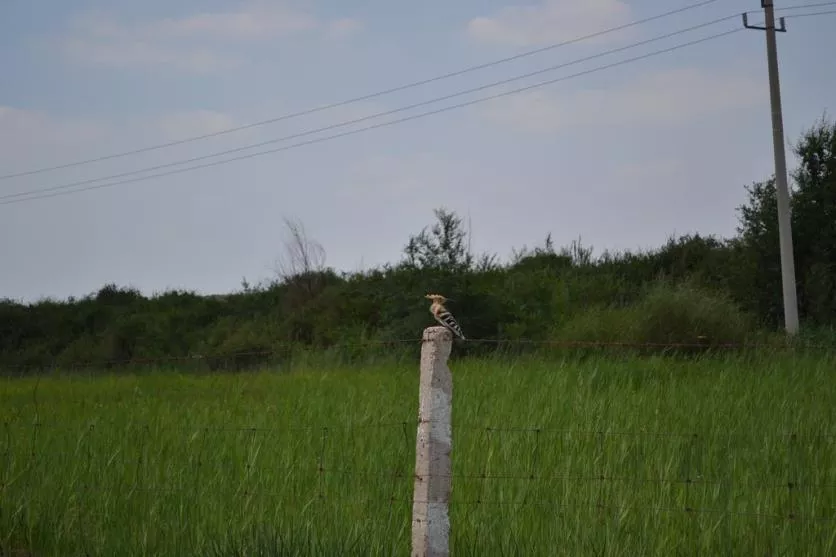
<point x="443" y="316"/>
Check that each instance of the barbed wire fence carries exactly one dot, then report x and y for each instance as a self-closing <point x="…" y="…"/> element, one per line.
<point x="612" y="475"/>
<point x="283" y="352"/>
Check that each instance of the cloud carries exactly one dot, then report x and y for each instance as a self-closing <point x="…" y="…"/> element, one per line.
<point x="345" y="27"/>
<point x="549" y="22"/>
<point x="198" y="43"/>
<point x="125" y="52"/>
<point x="419" y="179"/>
<point x="22" y="129"/>
<point x="623" y="177"/>
<point x="31" y="139"/>
<point x="256" y="22"/>
<point x="662" y="98"/>
<point x="180" y="125"/>
<point x="395" y="177"/>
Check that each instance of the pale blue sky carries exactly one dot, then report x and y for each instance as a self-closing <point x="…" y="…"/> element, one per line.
<point x="622" y="158"/>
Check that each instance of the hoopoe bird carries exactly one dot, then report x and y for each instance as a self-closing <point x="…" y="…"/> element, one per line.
<point x="443" y="316"/>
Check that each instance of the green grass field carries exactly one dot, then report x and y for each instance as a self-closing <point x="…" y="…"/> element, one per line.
<point x="551" y="457"/>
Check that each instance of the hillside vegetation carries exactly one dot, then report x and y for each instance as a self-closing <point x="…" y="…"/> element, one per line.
<point x="693" y="289"/>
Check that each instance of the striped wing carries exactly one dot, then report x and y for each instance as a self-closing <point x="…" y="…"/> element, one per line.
<point x="446" y="318"/>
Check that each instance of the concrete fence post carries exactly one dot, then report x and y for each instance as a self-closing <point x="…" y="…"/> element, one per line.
<point x="433" y="481"/>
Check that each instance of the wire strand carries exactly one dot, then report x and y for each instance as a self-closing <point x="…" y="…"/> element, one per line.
<point x="796" y="16"/>
<point x="280" y="347"/>
<point x="368" y="117"/>
<point x="54" y="190"/>
<point x="805" y="6"/>
<point x="413" y="84"/>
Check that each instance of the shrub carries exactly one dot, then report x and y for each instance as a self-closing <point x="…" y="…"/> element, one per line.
<point x="687" y="314"/>
<point x="667" y="314"/>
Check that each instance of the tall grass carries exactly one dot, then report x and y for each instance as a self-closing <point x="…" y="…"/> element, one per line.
<point x="600" y="456"/>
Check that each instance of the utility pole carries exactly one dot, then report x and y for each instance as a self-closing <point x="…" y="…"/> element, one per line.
<point x="782" y="190"/>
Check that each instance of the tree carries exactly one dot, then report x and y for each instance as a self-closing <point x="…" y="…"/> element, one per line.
<point x="302" y="255"/>
<point x="302" y="265"/>
<point x="444" y="247"/>
<point x="813" y="217"/>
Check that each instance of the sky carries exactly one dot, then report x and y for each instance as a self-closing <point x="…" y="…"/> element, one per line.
<point x="622" y="158"/>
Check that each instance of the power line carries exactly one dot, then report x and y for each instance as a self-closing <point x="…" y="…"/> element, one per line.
<point x="364" y="97"/>
<point x="796" y="16"/>
<point x="375" y="126"/>
<point x="803" y="6"/>
<point x="365" y="118"/>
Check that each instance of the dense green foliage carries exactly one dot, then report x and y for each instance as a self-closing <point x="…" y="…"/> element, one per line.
<point x="163" y="463"/>
<point x="692" y="289"/>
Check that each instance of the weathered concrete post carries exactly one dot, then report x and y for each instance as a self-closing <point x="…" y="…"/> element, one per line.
<point x="433" y="481"/>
